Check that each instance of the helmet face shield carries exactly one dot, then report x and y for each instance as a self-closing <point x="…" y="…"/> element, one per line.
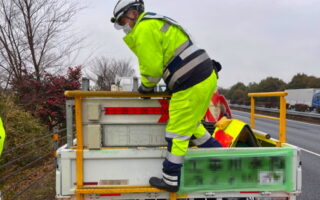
<point x="118" y="21"/>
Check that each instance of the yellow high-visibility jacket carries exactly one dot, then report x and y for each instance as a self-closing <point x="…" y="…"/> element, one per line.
<point x="2" y="136"/>
<point x="153" y="47"/>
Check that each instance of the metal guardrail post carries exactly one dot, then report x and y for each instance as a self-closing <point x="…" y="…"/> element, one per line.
<point x="85" y="84"/>
<point x="252" y="103"/>
<point x="79" y="151"/>
<point x="282" y="126"/>
<point x="135" y="84"/>
<point x="69" y="122"/>
<point x="172" y="196"/>
<point x="55" y="138"/>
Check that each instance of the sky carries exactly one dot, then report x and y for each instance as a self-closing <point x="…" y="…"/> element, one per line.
<point x="252" y="39"/>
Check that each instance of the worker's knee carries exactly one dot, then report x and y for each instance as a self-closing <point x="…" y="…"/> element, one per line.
<point x="179" y="147"/>
<point x="211" y="142"/>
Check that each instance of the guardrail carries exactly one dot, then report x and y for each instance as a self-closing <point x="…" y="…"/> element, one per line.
<point x="275" y="110"/>
<point x="282" y="112"/>
<point x="20" y="175"/>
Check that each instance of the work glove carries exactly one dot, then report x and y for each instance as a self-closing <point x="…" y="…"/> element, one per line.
<point x="145" y="90"/>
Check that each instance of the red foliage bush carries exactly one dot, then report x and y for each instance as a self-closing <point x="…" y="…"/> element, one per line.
<point x="45" y="97"/>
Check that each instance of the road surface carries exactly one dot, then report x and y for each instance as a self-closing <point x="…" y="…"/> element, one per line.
<point x="301" y="134"/>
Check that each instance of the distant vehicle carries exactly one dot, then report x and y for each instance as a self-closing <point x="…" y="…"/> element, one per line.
<point x="303" y="99"/>
<point x="316" y="101"/>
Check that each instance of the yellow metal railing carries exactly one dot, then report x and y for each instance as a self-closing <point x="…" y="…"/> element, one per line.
<point x="80" y="94"/>
<point x="81" y="190"/>
<point x="282" y="110"/>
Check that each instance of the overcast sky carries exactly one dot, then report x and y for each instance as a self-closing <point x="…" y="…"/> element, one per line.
<point x="252" y="39"/>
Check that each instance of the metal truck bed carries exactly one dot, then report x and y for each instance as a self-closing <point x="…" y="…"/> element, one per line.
<point x="120" y="143"/>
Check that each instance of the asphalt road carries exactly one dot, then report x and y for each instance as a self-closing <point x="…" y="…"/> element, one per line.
<point x="301" y="134"/>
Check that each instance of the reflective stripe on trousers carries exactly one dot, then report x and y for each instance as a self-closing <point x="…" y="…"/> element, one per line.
<point x="202" y="140"/>
<point x="170" y="180"/>
<point x="177" y="136"/>
<point x="178" y="144"/>
<point x="174" y="158"/>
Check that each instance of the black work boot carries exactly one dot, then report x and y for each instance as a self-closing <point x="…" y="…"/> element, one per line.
<point x="161" y="184"/>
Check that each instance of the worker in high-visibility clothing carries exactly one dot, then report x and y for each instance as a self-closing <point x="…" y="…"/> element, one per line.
<point x="2" y="136"/>
<point x="165" y="50"/>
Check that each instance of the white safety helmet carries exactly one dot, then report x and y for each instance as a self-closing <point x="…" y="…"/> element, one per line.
<point x="123" y="6"/>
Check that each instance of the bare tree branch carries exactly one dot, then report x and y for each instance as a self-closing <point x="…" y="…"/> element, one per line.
<point x="33" y="35"/>
<point x="105" y="71"/>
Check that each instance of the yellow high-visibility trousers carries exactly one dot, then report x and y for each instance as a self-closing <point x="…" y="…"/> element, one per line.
<point x="186" y="110"/>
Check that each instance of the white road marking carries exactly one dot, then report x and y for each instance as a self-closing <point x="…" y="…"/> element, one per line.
<point x="241" y="116"/>
<point x="311" y="152"/>
<point x="303" y="122"/>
